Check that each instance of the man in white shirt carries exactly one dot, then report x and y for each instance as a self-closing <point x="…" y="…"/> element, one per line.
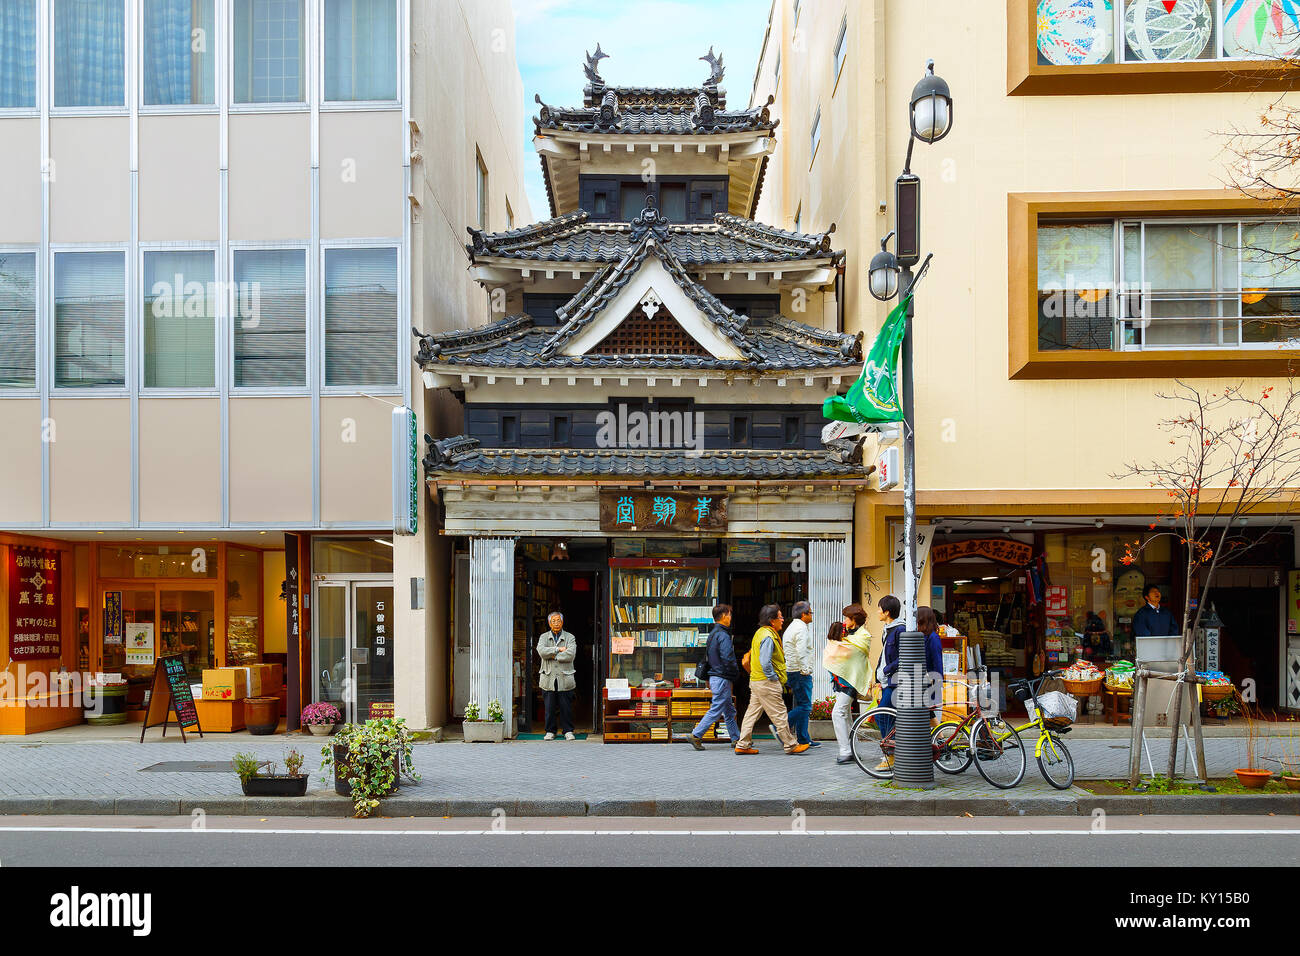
<point x="797" y="644"/>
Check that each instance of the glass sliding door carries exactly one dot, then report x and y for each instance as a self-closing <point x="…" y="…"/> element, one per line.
<point x="353" y="659"/>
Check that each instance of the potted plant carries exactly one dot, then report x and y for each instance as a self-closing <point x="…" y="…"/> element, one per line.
<point x="255" y="783"/>
<point x="261" y="715"/>
<point x="820" y="726"/>
<point x="1291" y="759"/>
<point x="321" y="718"/>
<point x="490" y="729"/>
<point x="1252" y="775"/>
<point x="369" y="760"/>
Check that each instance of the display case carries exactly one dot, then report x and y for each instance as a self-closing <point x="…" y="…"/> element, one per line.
<point x="661" y="611"/>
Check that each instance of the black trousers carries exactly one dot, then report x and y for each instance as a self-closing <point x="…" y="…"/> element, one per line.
<point x="559" y="704"/>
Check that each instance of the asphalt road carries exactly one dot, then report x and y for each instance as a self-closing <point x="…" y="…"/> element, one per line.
<point x="925" y="841"/>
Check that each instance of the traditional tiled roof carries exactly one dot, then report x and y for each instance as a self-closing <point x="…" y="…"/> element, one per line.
<point x="777" y="344"/>
<point x="576" y="238"/>
<point x="699" y="117"/>
<point x="461" y="457"/>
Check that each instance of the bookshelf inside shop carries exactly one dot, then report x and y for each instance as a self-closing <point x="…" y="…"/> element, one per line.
<point x="660" y="616"/>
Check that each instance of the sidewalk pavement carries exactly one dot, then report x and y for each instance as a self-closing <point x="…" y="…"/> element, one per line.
<point x="561" y="778"/>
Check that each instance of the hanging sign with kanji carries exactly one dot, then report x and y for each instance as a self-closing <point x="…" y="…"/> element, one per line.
<point x="1004" y="550"/>
<point x="662" y="511"/>
<point x="35" y="608"/>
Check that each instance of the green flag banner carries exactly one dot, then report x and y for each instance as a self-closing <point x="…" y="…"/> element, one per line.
<point x="875" y="396"/>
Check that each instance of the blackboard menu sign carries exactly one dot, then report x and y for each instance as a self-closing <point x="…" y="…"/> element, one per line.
<point x="171" y="691"/>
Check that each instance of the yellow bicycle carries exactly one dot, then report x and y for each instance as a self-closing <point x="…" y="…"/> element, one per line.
<point x="991" y="742"/>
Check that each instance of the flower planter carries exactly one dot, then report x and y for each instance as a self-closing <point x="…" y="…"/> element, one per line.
<point x="322" y="730"/>
<point x="484" y="731"/>
<point x="280" y="785"/>
<point x="341" y="772"/>
<point x="261" y="715"/>
<point x="821" y="729"/>
<point x="1254" y="779"/>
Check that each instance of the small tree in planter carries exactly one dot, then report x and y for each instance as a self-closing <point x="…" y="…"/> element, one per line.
<point x="255" y="783"/>
<point x="321" y="718"/>
<point x="491" y="729"/>
<point x="369" y="760"/>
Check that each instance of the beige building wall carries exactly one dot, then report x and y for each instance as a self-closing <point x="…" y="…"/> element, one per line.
<point x="180" y="186"/>
<point x="270" y="460"/>
<point x="20" y="423"/>
<point x="270" y="176"/>
<point x="90" y="185"/>
<point x="90" y="463"/>
<point x="180" y="460"/>
<point x="978" y="432"/>
<point x="361" y="181"/>
<point x="20" y="179"/>
<point x="356" y="459"/>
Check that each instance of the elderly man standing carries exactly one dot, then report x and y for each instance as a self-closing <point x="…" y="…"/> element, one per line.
<point x="767" y="675"/>
<point x="797" y="643"/>
<point x="557" y="648"/>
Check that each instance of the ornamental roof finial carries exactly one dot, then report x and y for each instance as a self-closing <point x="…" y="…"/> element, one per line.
<point x="592" y="67"/>
<point x="715" y="68"/>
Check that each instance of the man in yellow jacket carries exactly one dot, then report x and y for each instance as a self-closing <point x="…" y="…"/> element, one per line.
<point x="766" y="678"/>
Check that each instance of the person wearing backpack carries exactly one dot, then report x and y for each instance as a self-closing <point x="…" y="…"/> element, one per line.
<point x="721" y="670"/>
<point x="766" y="678"/>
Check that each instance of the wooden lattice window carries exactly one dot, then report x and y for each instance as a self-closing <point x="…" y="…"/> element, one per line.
<point x="641" y="334"/>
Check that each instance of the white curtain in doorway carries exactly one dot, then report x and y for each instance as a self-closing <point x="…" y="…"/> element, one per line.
<point x="491" y="624"/>
<point x="830" y="589"/>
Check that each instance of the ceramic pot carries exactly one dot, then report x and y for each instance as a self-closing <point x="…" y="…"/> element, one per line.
<point x="1254" y="779"/>
<point x="322" y="730"/>
<point x="261" y="714"/>
<point x="1292" y="783"/>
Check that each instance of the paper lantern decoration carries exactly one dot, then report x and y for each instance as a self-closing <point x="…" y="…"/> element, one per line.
<point x="1168" y="29"/>
<point x="1261" y="29"/>
<point x="1076" y="32"/>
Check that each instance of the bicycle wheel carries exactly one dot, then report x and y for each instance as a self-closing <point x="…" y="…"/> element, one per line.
<point x="951" y="747"/>
<point x="999" y="754"/>
<point x="873" y="751"/>
<point x="1055" y="762"/>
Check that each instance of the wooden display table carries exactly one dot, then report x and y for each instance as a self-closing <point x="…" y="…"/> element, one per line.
<point x="37" y="712"/>
<point x="1111" y="698"/>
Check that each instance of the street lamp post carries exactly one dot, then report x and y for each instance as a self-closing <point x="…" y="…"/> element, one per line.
<point x="931" y="120"/>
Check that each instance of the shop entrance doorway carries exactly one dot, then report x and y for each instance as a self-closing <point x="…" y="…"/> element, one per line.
<point x="353" y="644"/>
<point x="1248" y="642"/>
<point x="747" y="589"/>
<point x="576" y="590"/>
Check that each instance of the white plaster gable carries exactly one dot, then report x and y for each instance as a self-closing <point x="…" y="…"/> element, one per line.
<point x="653" y="284"/>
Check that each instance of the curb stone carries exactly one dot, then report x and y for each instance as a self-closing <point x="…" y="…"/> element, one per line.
<point x="323" y="803"/>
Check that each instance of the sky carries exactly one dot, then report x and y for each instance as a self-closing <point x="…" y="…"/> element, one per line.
<point x="649" y="42"/>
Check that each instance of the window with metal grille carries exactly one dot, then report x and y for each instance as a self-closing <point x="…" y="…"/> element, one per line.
<point x="641" y="335"/>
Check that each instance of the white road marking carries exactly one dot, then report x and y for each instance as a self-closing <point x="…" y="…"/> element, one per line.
<point x="1084" y="831"/>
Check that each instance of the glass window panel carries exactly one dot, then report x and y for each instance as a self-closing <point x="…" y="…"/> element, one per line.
<point x="841" y="46"/>
<point x="136" y="560"/>
<point x="631" y="201"/>
<point x="1158" y="32"/>
<point x="17" y="319"/>
<point x="352" y="555"/>
<point x="89" y="319"/>
<point x="89" y="53"/>
<point x="243" y="606"/>
<point x="269" y="317"/>
<point x="269" y="51"/>
<point x="672" y="201"/>
<point x="1270" y="281"/>
<point x="179" y="319"/>
<point x="1076" y="32"/>
<point x="361" y="317"/>
<point x="187" y="627"/>
<point x="18" y="54"/>
<point x="179" y="45"/>
<point x="1181" y="278"/>
<point x="1076" y="265"/>
<point x="360" y="50"/>
<point x="1261" y="29"/>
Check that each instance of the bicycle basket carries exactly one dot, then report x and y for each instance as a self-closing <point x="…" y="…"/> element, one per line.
<point x="1059" y="710"/>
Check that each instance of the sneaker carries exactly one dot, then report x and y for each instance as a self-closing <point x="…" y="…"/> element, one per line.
<point x="740" y="752"/>
<point x="843" y="760"/>
<point x="696" y="742"/>
<point x="886" y="764"/>
<point x="798" y="748"/>
<point x="813" y="743"/>
<point x="772" y="728"/>
<point x="549" y="737"/>
<point x="569" y="735"/>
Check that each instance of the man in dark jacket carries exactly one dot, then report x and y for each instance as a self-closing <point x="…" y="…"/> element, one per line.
<point x="1151" y="620"/>
<point x="723" y="672"/>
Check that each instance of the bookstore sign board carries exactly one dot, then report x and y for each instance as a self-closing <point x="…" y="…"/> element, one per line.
<point x="662" y="511"/>
<point x="35" y="604"/>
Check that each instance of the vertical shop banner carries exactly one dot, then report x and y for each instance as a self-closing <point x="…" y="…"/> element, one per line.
<point x="35" y="608"/>
<point x="1293" y="602"/>
<point x="292" y="626"/>
<point x="406" y="471"/>
<point x="112" y="617"/>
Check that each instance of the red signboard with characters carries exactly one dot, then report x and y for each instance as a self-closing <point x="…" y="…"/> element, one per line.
<point x="35" y="607"/>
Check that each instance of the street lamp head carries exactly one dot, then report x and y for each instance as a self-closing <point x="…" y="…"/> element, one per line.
<point x="931" y="107"/>
<point x="883" y="272"/>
